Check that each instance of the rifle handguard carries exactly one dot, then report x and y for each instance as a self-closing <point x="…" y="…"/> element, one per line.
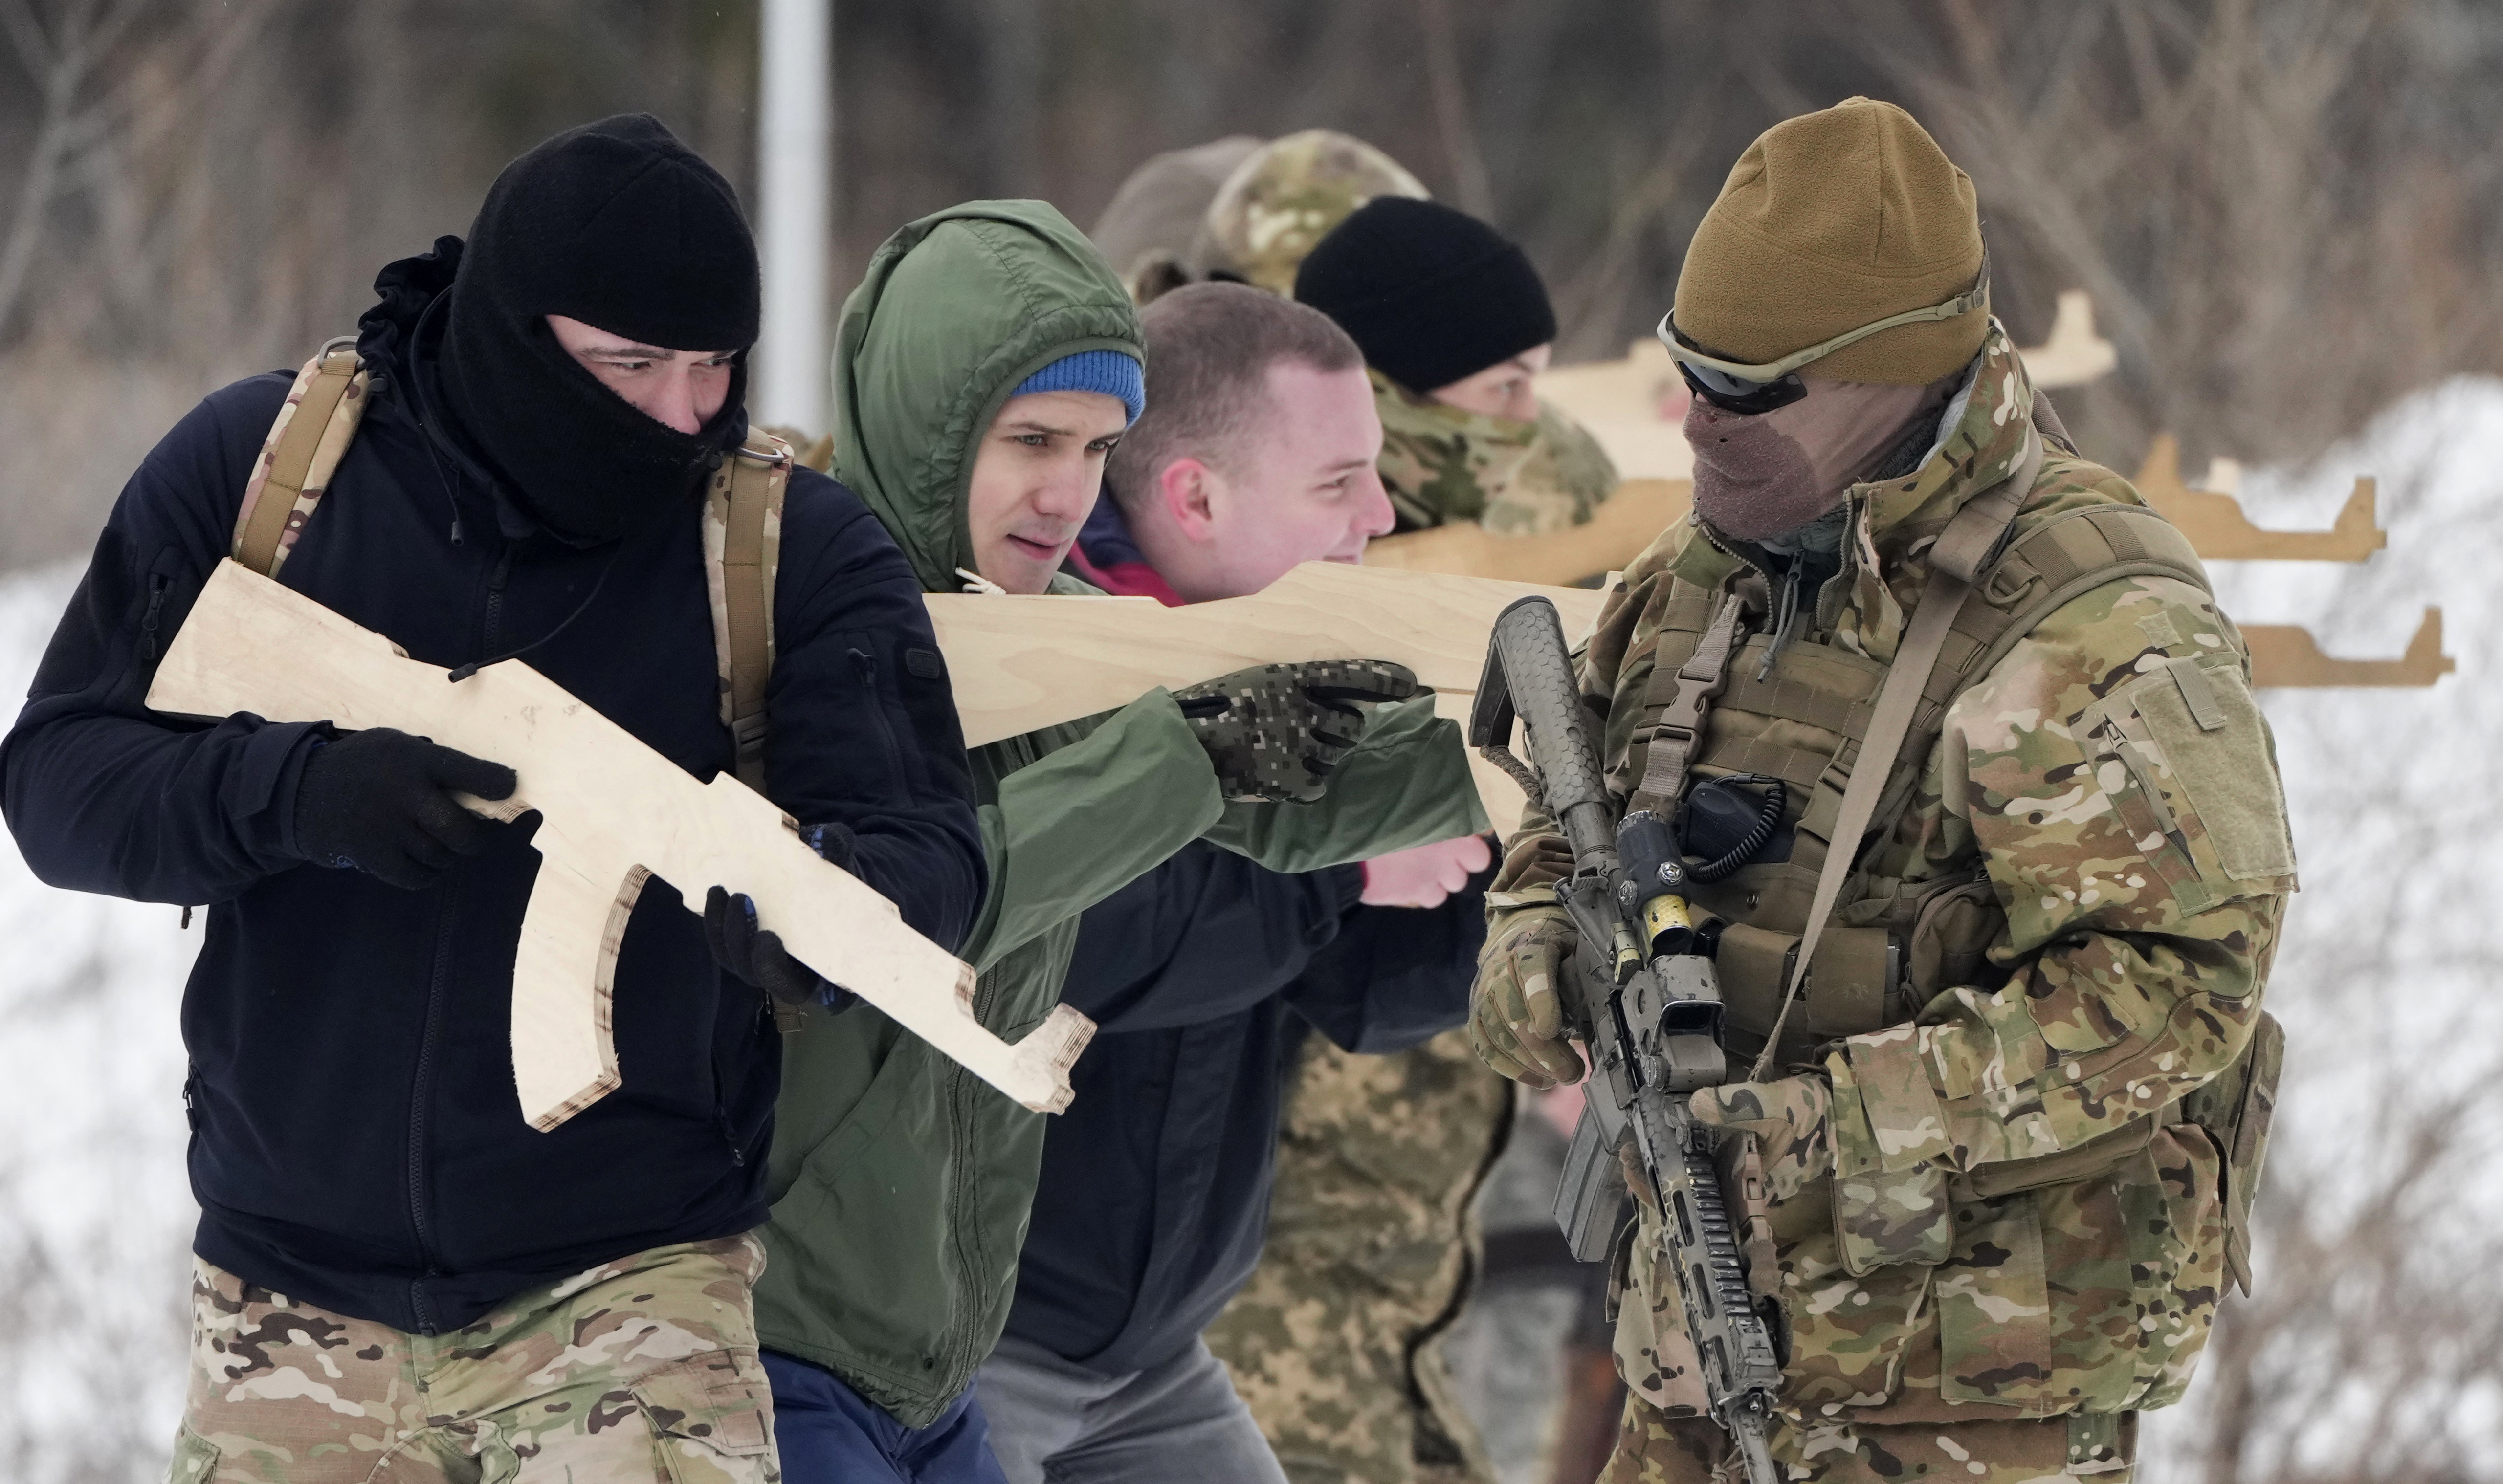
<point x="1529" y="672"/>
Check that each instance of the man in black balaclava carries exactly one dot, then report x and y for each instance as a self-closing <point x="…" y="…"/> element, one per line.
<point x="398" y="1276"/>
<point x="618" y="228"/>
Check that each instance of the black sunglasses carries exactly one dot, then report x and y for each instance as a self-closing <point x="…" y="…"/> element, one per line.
<point x="1738" y="394"/>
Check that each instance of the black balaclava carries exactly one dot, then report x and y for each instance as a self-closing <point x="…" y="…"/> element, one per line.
<point x="618" y="226"/>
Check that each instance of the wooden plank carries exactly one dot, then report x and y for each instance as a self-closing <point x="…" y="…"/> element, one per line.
<point x="1020" y="664"/>
<point x="2219" y="530"/>
<point x="615" y="814"/>
<point x="1618" y="530"/>
<point x="2284" y="656"/>
<point x="2073" y="354"/>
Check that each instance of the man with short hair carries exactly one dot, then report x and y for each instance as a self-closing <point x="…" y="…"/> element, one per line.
<point x="397" y="1277"/>
<point x="1258" y="452"/>
<point x="988" y="364"/>
<point x="2001" y="959"/>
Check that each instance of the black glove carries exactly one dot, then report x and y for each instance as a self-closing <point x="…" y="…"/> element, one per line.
<point x="1276" y="732"/>
<point x="753" y="954"/>
<point x="381" y="802"/>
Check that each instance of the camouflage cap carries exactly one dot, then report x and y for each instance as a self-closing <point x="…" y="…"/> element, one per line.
<point x="1285" y="197"/>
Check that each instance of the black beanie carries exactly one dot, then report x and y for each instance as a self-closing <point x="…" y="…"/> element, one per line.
<point x="1430" y="294"/>
<point x="618" y="226"/>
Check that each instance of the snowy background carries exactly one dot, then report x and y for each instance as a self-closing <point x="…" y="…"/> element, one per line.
<point x="2370" y="1352"/>
<point x="2288" y="215"/>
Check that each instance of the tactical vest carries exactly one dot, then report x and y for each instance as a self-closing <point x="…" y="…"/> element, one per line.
<point x="742" y="525"/>
<point x="1714" y="707"/>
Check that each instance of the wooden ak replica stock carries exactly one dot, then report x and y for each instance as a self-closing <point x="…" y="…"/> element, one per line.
<point x="1019" y="664"/>
<point x="2285" y="655"/>
<point x="615" y="814"/>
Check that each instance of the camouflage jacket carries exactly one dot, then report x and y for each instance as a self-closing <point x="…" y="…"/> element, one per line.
<point x="1442" y="466"/>
<point x="2019" y="1217"/>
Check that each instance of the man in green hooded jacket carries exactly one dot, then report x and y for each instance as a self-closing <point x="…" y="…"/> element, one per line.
<point x="977" y="380"/>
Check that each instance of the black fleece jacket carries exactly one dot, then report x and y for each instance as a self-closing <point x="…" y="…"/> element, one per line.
<point x="356" y="1141"/>
<point x="1203" y="977"/>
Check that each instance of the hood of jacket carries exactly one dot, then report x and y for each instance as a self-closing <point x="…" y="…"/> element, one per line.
<point x="956" y="309"/>
<point x="400" y="339"/>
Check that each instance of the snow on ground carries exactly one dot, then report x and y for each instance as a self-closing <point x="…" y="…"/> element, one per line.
<point x="95" y="1210"/>
<point x="2384" y="976"/>
<point x="2397" y="801"/>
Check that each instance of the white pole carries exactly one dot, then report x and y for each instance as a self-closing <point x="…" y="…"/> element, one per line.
<point x="795" y="178"/>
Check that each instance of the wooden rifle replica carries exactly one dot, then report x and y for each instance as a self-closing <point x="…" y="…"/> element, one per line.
<point x="615" y="814"/>
<point x="1020" y="664"/>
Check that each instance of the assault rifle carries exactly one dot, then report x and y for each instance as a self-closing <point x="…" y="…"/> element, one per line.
<point x="1648" y="1005"/>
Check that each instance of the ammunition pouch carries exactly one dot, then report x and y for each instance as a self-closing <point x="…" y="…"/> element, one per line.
<point x="1884" y="957"/>
<point x="2097" y="1156"/>
<point x="2236" y="1107"/>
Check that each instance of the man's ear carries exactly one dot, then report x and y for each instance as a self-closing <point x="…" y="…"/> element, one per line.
<point x="1190" y="492"/>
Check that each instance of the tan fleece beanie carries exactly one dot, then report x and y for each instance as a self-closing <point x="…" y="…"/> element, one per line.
<point x="1829" y="221"/>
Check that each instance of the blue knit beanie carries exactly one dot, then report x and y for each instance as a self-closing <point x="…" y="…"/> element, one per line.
<point x="1113" y="373"/>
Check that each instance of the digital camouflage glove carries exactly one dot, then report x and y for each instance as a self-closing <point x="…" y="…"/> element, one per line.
<point x="1516" y="1019"/>
<point x="1792" y="1122"/>
<point x="1276" y="732"/>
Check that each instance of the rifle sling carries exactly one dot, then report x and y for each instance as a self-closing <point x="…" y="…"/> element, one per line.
<point x="1958" y="557"/>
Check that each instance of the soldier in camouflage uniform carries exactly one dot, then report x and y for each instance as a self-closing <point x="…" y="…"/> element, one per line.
<point x="1445" y="465"/>
<point x="1285" y="197"/>
<point x="1154" y="216"/>
<point x="2009" y="1132"/>
<point x="1455" y="326"/>
<point x="1373" y="1249"/>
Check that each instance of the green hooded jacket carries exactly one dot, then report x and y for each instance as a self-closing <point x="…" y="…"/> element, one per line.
<point x="901" y="1183"/>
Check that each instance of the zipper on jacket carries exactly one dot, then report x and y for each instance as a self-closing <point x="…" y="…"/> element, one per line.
<point x="157" y="585"/>
<point x="420" y="1221"/>
<point x="864" y="665"/>
<point x="491" y="635"/>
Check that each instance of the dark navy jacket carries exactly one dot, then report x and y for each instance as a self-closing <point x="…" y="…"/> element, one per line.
<point x="1204" y="975"/>
<point x="356" y="1140"/>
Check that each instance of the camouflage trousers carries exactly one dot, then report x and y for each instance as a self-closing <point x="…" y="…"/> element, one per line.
<point x="1655" y="1448"/>
<point x="1373" y="1249"/>
<point x="638" y="1371"/>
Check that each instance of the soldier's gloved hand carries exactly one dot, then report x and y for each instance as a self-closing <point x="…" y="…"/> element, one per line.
<point x="1276" y="732"/>
<point x="1792" y="1119"/>
<point x="381" y="802"/>
<point x="751" y="953"/>
<point x="1516" y="1015"/>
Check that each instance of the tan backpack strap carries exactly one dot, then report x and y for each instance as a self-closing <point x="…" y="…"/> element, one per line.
<point x="742" y="551"/>
<point x="1677" y="702"/>
<point x="2036" y="575"/>
<point x="1982" y="527"/>
<point x="305" y="444"/>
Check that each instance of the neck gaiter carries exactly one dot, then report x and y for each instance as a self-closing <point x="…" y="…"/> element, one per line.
<point x="1760" y="475"/>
